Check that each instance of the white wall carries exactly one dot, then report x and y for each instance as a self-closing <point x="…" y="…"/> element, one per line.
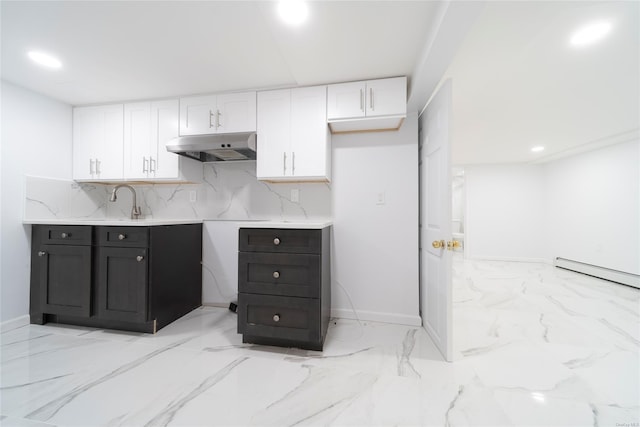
<point x="505" y="212"/>
<point x="36" y="140"/>
<point x="375" y="246"/>
<point x="585" y="207"/>
<point x="594" y="207"/>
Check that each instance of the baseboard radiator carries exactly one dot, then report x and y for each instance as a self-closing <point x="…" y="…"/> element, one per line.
<point x="609" y="274"/>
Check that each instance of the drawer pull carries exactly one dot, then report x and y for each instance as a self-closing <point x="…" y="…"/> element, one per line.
<point x="276" y="317"/>
<point x="42" y="253"/>
<point x="65" y="235"/>
<point x="122" y="236"/>
<point x="276" y="241"/>
<point x="276" y="274"/>
<point x="139" y="258"/>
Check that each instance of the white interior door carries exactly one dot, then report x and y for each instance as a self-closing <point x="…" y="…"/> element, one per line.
<point x="435" y="221"/>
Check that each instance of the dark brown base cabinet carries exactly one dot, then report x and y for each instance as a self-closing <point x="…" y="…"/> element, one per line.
<point x="284" y="285"/>
<point x="130" y="278"/>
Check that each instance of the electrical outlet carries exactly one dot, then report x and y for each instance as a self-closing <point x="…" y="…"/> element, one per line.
<point x="193" y="196"/>
<point x="295" y="195"/>
<point x="380" y="198"/>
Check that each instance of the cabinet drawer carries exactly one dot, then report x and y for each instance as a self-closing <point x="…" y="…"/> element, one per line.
<point x="78" y="235"/>
<point x="296" y="275"/>
<point x="287" y="318"/>
<point x="280" y="240"/>
<point x="134" y="237"/>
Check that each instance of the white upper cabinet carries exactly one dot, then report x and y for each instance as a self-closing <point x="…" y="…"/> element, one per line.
<point x="148" y="126"/>
<point x="368" y="105"/>
<point x="226" y="113"/>
<point x="98" y="143"/>
<point x="294" y="143"/>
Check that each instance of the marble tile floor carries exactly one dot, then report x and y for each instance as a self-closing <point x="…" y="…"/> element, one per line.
<point x="534" y="346"/>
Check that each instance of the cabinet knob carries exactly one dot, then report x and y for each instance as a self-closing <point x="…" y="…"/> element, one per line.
<point x="42" y="253"/>
<point x="276" y="317"/>
<point x="64" y="235"/>
<point x="276" y="241"/>
<point x="122" y="236"/>
<point x="276" y="274"/>
<point x="139" y="258"/>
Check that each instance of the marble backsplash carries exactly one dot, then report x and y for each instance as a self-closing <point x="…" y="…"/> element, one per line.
<point x="228" y="191"/>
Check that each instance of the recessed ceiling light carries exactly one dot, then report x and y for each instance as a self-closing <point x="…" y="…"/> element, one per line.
<point x="293" y="12"/>
<point x="44" y="59"/>
<point x="537" y="149"/>
<point x="590" y="33"/>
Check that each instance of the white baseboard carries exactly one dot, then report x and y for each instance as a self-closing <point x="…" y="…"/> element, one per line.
<point x="609" y="274"/>
<point x="14" y="323"/>
<point x="374" y="316"/>
<point x="510" y="259"/>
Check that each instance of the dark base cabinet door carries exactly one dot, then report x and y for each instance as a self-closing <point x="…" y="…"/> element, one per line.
<point x="65" y="279"/>
<point x="122" y="284"/>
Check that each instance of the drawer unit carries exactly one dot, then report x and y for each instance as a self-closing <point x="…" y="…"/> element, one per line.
<point x="284" y="286"/>
<point x="65" y="234"/>
<point x="279" y="274"/>
<point x="280" y="240"/>
<point x="123" y="237"/>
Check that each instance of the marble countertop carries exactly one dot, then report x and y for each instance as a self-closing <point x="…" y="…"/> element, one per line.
<point x="112" y="221"/>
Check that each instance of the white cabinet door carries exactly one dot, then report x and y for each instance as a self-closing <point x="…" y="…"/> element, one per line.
<point x="164" y="127"/>
<point x="98" y="142"/>
<point x="236" y="112"/>
<point x="386" y="97"/>
<point x="197" y="115"/>
<point x="274" y="134"/>
<point x="137" y="139"/>
<point x="310" y="148"/>
<point x="346" y="100"/>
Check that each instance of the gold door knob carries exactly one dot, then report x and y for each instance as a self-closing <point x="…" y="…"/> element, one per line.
<point x="438" y="244"/>
<point x="453" y="244"/>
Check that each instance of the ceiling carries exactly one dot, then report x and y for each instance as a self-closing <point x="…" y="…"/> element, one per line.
<point x="516" y="81"/>
<point x="131" y="50"/>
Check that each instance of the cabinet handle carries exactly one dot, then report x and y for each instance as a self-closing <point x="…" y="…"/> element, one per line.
<point x="210" y="118"/>
<point x="98" y="162"/>
<point x="122" y="236"/>
<point x="152" y="165"/>
<point x="65" y="235"/>
<point x="361" y="100"/>
<point x="145" y="169"/>
<point x="42" y="253"/>
<point x="293" y="163"/>
<point x="139" y="258"/>
<point x="91" y="167"/>
<point x="218" y="123"/>
<point x="284" y="163"/>
<point x="371" y="98"/>
<point x="276" y="317"/>
<point x="276" y="274"/>
<point x="276" y="241"/>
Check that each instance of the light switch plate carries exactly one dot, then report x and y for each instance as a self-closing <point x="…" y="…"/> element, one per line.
<point x="295" y="195"/>
<point x="193" y="196"/>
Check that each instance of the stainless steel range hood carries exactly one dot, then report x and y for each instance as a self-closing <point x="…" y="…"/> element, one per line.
<point x="216" y="148"/>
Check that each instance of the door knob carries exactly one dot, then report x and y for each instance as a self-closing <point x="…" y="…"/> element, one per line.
<point x="276" y="274"/>
<point x="438" y="244"/>
<point x="64" y="235"/>
<point x="139" y="258"/>
<point x="42" y="253"/>
<point x="453" y="244"/>
<point x="276" y="241"/>
<point x="122" y="236"/>
<point x="276" y="317"/>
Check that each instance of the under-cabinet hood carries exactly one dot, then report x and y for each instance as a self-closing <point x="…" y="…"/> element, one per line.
<point x="216" y="148"/>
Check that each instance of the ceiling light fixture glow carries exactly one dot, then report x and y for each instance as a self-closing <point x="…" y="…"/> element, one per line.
<point x="45" y="59"/>
<point x="293" y="12"/>
<point x="537" y="149"/>
<point x="590" y="33"/>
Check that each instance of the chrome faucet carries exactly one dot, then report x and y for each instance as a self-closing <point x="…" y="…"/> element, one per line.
<point x="135" y="210"/>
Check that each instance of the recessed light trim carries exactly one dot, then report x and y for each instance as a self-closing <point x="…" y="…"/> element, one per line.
<point x="537" y="149"/>
<point x="44" y="59"/>
<point x="293" y="12"/>
<point x="590" y="33"/>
